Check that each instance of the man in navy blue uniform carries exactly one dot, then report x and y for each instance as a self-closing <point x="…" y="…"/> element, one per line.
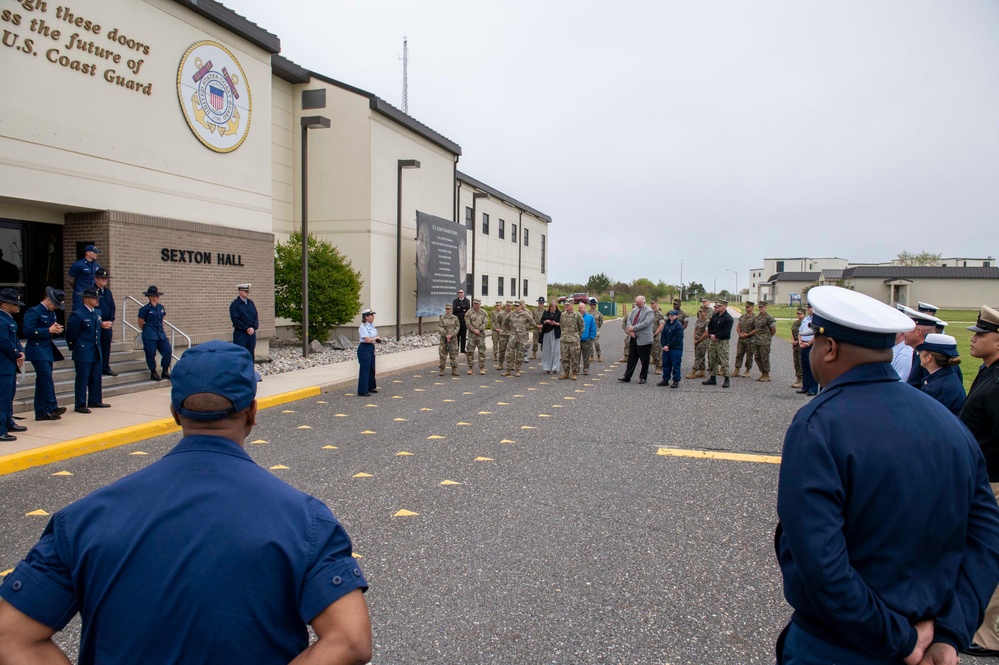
<point x="11" y="362"/>
<point x="888" y="539"/>
<point x="83" y="336"/>
<point x="154" y="337"/>
<point x="245" y="322"/>
<point x="83" y="273"/>
<point x="40" y="326"/>
<point x="106" y="306"/>
<point x="201" y="557"/>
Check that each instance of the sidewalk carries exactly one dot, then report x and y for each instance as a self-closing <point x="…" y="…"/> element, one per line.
<point x="144" y="415"/>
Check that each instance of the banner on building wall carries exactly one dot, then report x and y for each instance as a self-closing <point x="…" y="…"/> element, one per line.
<point x="441" y="263"/>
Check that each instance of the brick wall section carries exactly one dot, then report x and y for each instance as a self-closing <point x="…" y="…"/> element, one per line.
<point x="197" y="295"/>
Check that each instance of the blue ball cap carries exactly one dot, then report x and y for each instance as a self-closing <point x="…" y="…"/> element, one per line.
<point x="91" y="248"/>
<point x="216" y="367"/>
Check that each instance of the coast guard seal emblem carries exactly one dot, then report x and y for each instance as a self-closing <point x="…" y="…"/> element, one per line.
<point x="214" y="96"/>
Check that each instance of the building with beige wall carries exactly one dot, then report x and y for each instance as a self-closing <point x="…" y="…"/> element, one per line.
<point x="947" y="288"/>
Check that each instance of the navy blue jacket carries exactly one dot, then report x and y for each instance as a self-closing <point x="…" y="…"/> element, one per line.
<point x="10" y="345"/>
<point x="243" y="315"/>
<point x="945" y="387"/>
<point x="152" y="329"/>
<point x="672" y="335"/>
<point x="105" y="305"/>
<point x="881" y="527"/>
<point x="83" y="272"/>
<point x="83" y="335"/>
<point x="36" y="332"/>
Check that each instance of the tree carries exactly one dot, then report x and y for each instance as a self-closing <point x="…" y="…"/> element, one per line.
<point x="924" y="258"/>
<point x="598" y="283"/>
<point x="643" y="286"/>
<point x="695" y="291"/>
<point x="334" y="285"/>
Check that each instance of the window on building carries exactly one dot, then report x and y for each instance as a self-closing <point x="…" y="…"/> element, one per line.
<point x="513" y="287"/>
<point x="468" y="286"/>
<point x="965" y="264"/>
<point x="485" y="285"/>
<point x="513" y="232"/>
<point x="524" y="294"/>
<point x="526" y="238"/>
<point x="780" y="266"/>
<point x="499" y="286"/>
<point x="542" y="253"/>
<point x="501" y="234"/>
<point x="469" y="222"/>
<point x="986" y="264"/>
<point x="485" y="224"/>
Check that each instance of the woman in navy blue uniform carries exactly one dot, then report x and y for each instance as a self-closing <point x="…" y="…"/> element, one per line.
<point x="368" y="337"/>
<point x="938" y="356"/>
<point x="11" y="362"/>
<point x="154" y="337"/>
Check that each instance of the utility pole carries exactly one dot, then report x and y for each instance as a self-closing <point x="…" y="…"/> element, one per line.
<point x="405" y="75"/>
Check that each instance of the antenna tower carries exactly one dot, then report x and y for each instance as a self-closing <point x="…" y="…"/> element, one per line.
<point x="405" y="75"/>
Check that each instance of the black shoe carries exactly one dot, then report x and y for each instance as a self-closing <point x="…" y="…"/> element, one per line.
<point x="8" y="437"/>
<point x="664" y="382"/>
<point x="109" y="372"/>
<point x="641" y="381"/>
<point x="726" y="384"/>
<point x="154" y="376"/>
<point x="675" y="384"/>
<point x="82" y="409"/>
<point x="801" y="392"/>
<point x="364" y="394"/>
<point x="810" y="394"/>
<point x="978" y="650"/>
<point x="622" y="380"/>
<point x="102" y="405"/>
<point x="165" y="373"/>
<point x="49" y="416"/>
<point x="17" y="428"/>
<point x="710" y="382"/>
<point x="374" y="390"/>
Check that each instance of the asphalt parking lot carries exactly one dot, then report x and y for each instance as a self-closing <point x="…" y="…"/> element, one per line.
<point x="514" y="520"/>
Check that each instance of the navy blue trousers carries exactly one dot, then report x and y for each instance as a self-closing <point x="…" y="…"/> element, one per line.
<point x="248" y="342"/>
<point x="807" y="380"/>
<point x="151" y="346"/>
<point x="88" y="382"/>
<point x="671" y="364"/>
<point x="366" y="375"/>
<point x="106" y="335"/>
<point x="45" y="397"/>
<point x="8" y="384"/>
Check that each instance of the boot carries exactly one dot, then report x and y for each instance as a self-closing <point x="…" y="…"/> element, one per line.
<point x="726" y="384"/>
<point x="498" y="367"/>
<point x="154" y="376"/>
<point x="662" y="383"/>
<point x="534" y="356"/>
<point x="659" y="369"/>
<point x="469" y="371"/>
<point x="165" y="373"/>
<point x="711" y="381"/>
<point x="506" y="373"/>
<point x="441" y="373"/>
<point x="564" y="376"/>
<point x="765" y="378"/>
<point x="746" y="375"/>
<point x="693" y="374"/>
<point x="720" y="372"/>
<point x="623" y="360"/>
<point x="482" y="370"/>
<point x="599" y="359"/>
<point x="700" y="374"/>
<point x="573" y="377"/>
<point x="675" y="384"/>
<point x="454" y="372"/>
<point x="517" y="373"/>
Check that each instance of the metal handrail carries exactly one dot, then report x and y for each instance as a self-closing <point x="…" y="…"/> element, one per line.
<point x="125" y="325"/>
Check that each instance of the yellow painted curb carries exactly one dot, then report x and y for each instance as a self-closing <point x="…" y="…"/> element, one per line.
<point x="711" y="454"/>
<point x="120" y="437"/>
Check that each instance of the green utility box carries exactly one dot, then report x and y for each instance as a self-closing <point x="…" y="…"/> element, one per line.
<point x="607" y="308"/>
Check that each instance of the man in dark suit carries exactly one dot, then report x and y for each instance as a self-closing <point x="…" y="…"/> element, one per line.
<point x="106" y="306"/>
<point x="245" y="322"/>
<point x="83" y="335"/>
<point x="459" y="307"/>
<point x="11" y="361"/>
<point x="40" y="326"/>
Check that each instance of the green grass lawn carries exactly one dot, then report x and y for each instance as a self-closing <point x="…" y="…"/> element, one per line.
<point x="957" y="320"/>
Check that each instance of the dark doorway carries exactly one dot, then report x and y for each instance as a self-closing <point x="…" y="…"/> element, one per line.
<point x="31" y="260"/>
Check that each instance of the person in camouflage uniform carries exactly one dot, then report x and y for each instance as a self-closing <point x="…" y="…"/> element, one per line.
<point x="536" y="330"/>
<point x="627" y="340"/>
<point x="766" y="326"/>
<point x="681" y="315"/>
<point x="499" y="321"/>
<point x="746" y="328"/>
<point x="519" y="323"/>
<point x="658" y="322"/>
<point x="494" y="321"/>
<point x="700" y="343"/>
<point x="598" y="318"/>
<point x="476" y="321"/>
<point x="448" y="331"/>
<point x="795" y="349"/>
<point x="572" y="326"/>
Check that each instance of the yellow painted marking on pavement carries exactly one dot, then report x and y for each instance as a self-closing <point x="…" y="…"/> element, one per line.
<point x="486" y="387"/>
<point x="518" y="395"/>
<point x="426" y="408"/>
<point x="448" y="400"/>
<point x="532" y="388"/>
<point x="340" y="415"/>
<point x="139" y="452"/>
<point x="713" y="454"/>
<point x="330" y="448"/>
<point x="557" y="406"/>
<point x="484" y="459"/>
<point x="403" y="453"/>
<point x="508" y="441"/>
<point x="580" y="391"/>
<point x="435" y="436"/>
<point x="396" y="381"/>
<point x="485" y="413"/>
<point x="498" y="381"/>
<point x="371" y="406"/>
<point x="399" y="420"/>
<point x="588" y="385"/>
<point x="62" y="473"/>
<point x="369" y="431"/>
<point x="36" y="513"/>
<point x="438" y="383"/>
<point x="6" y="572"/>
<point x="287" y="411"/>
<point x="396" y="396"/>
<point x="348" y="394"/>
<point x="467" y="393"/>
<point x="363" y="475"/>
<point x="417" y="376"/>
<point x="259" y="441"/>
<point x="528" y="427"/>
<point x="568" y="398"/>
<point x="543" y="383"/>
<point x="322" y="402"/>
<point x="303" y="427"/>
<point x="280" y="466"/>
<point x="502" y="403"/>
<point x="463" y="424"/>
<point x="405" y="513"/>
<point x="357" y="556"/>
<point x="456" y="378"/>
<point x="443" y="482"/>
<point x="544" y="415"/>
<point x="419" y="390"/>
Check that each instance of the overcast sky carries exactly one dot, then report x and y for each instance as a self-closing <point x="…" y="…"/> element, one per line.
<point x="715" y="133"/>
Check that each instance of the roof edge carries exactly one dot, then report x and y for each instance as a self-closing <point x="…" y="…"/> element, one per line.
<point x="233" y="22"/>
<point x="284" y="68"/>
<point x="492" y="191"/>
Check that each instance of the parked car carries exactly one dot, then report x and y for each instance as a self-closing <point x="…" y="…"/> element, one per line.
<point x="580" y="297"/>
